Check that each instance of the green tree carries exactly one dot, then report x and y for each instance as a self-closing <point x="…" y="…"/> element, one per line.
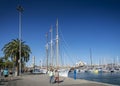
<point x="9" y="64"/>
<point x="2" y="62"/>
<point x="11" y="50"/>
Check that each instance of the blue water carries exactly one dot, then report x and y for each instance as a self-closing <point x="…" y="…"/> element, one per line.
<point x="110" y="78"/>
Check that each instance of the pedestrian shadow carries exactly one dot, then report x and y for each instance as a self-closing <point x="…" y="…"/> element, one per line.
<point x="2" y="84"/>
<point x="16" y="79"/>
<point x="75" y="85"/>
<point x="3" y="80"/>
<point x="7" y="80"/>
<point x="60" y="81"/>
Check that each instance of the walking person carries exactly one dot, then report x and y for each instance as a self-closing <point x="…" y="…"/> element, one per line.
<point x="74" y="74"/>
<point x="51" y="75"/>
<point x="10" y="74"/>
<point x="56" y="76"/>
<point x="1" y="72"/>
<point x="5" y="73"/>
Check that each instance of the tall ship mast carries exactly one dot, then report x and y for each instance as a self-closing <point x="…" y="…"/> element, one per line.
<point x="47" y="50"/>
<point x="57" y="45"/>
<point x="91" y="56"/>
<point x="51" y="47"/>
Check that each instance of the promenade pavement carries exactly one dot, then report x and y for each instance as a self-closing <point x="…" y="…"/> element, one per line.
<point x="43" y="80"/>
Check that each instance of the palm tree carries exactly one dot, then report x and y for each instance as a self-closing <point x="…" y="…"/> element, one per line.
<point x="11" y="50"/>
<point x="1" y="62"/>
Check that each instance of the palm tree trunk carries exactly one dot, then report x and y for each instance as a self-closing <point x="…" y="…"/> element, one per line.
<point x="17" y="67"/>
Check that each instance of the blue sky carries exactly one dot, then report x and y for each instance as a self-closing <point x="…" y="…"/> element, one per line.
<point x="84" y="24"/>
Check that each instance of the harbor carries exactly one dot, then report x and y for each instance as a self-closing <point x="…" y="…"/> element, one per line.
<point x="60" y="43"/>
<point x="111" y="78"/>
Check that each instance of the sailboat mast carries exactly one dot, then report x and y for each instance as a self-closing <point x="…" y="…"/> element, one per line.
<point x="57" y="41"/>
<point x="91" y="56"/>
<point x="47" y="50"/>
<point x="51" y="47"/>
<point x="34" y="63"/>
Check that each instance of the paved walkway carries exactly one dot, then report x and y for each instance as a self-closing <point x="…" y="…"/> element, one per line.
<point x="43" y="80"/>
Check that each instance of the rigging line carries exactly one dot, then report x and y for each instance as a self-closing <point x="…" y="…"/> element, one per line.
<point x="70" y="59"/>
<point x="61" y="53"/>
<point x="68" y="56"/>
<point x="64" y="39"/>
<point x="77" y="58"/>
<point x="67" y="46"/>
<point x="43" y="57"/>
<point x="60" y="49"/>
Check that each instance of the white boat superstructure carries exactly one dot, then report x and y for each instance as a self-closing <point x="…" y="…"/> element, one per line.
<point x="63" y="72"/>
<point x="44" y="71"/>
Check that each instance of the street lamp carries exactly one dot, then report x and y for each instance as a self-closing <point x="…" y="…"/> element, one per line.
<point x="20" y="10"/>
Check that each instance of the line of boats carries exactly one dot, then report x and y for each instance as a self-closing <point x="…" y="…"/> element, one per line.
<point x="62" y="72"/>
<point x="97" y="70"/>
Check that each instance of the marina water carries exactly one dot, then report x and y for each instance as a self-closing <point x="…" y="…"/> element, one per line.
<point x="110" y="78"/>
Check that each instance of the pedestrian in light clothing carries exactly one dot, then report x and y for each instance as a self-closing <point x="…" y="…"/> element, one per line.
<point x="1" y="72"/>
<point x="51" y="75"/>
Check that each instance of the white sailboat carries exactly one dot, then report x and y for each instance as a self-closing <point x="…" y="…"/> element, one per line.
<point x="62" y="71"/>
<point x="55" y="62"/>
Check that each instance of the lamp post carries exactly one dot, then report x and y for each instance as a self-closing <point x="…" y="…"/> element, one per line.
<point x="20" y="10"/>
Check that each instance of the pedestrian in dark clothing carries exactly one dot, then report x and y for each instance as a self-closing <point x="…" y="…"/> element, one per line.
<point x="5" y="73"/>
<point x="56" y="75"/>
<point x="75" y="74"/>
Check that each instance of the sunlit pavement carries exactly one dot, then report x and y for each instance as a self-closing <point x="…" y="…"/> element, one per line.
<point x="43" y="80"/>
